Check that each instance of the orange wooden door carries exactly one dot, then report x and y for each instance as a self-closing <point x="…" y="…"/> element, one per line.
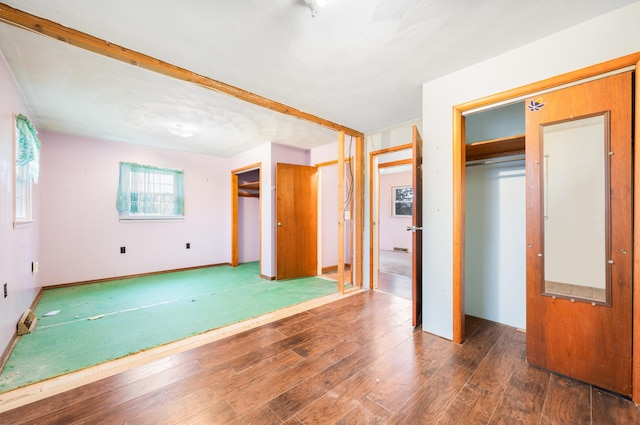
<point x="416" y="260"/>
<point x="296" y="221"/>
<point x="579" y="236"/>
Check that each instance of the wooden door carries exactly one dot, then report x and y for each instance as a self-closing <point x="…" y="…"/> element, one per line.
<point x="296" y="221"/>
<point x="416" y="260"/>
<point x="579" y="236"/>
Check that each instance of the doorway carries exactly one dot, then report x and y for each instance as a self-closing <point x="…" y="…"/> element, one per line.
<point x="246" y="215"/>
<point x="396" y="156"/>
<point x="414" y="153"/>
<point x="394" y="216"/>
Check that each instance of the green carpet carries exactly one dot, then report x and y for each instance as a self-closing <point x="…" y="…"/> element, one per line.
<point x="105" y="321"/>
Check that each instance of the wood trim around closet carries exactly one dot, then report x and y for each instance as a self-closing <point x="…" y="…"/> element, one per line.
<point x="235" y="193"/>
<point x="636" y="250"/>
<point x="359" y="208"/>
<point x="459" y="194"/>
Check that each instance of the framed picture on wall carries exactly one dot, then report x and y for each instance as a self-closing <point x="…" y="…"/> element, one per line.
<point x="402" y="201"/>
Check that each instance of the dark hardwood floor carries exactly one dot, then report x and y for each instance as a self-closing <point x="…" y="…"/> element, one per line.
<point x="395" y="284"/>
<point x="355" y="361"/>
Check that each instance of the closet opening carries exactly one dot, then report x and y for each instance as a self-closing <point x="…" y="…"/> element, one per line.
<point x="246" y="207"/>
<point x="495" y="221"/>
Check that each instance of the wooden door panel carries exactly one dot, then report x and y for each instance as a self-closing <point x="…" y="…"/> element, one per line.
<point x="588" y="341"/>
<point x="416" y="261"/>
<point x="296" y="221"/>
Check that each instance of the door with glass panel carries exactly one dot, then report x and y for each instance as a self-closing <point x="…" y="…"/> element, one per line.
<point x="579" y="232"/>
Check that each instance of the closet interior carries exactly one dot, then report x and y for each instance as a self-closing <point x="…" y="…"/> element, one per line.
<point x="495" y="225"/>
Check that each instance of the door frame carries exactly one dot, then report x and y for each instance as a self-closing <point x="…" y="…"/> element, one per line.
<point x="631" y="61"/>
<point x="374" y="214"/>
<point x="375" y="238"/>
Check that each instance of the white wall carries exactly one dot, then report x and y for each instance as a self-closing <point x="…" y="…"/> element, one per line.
<point x="20" y="245"/>
<point x="606" y="37"/>
<point x="495" y="123"/>
<point x="82" y="235"/>
<point x="495" y="272"/>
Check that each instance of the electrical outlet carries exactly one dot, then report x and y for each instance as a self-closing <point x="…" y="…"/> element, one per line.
<point x="188" y="245"/>
<point x="5" y="290"/>
<point x="123" y="250"/>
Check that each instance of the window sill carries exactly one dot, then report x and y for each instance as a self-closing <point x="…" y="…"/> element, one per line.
<point x="22" y="223"/>
<point x="151" y="220"/>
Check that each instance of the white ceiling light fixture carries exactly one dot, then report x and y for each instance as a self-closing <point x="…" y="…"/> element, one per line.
<point x="314" y="5"/>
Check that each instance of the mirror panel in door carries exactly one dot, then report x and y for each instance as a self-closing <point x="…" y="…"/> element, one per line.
<point x="576" y="237"/>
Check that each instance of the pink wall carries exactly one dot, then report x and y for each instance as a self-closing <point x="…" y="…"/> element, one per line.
<point x="20" y="245"/>
<point x="81" y="232"/>
<point x="328" y="206"/>
<point x="393" y="229"/>
<point x="328" y="218"/>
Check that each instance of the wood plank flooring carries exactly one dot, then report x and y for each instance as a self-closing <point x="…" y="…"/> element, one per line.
<point x="395" y="284"/>
<point x="354" y="361"/>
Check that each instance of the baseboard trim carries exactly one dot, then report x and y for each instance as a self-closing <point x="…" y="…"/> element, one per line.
<point x="267" y="277"/>
<point x="334" y="269"/>
<point x="4" y="357"/>
<point x="131" y="276"/>
<point x="7" y="351"/>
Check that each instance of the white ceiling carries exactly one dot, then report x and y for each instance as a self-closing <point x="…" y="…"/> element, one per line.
<point x="358" y="63"/>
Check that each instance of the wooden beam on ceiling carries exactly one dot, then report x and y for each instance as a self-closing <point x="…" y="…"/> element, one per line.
<point x="102" y="47"/>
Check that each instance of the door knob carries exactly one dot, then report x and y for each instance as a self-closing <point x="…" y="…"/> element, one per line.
<point x="413" y="228"/>
<point x="279" y="224"/>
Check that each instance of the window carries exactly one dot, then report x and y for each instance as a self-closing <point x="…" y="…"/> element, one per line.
<point x="27" y="168"/>
<point x="23" y="194"/>
<point x="150" y="193"/>
<point x="402" y="201"/>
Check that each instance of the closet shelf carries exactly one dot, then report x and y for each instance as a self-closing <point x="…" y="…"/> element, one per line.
<point x="249" y="186"/>
<point x="495" y="148"/>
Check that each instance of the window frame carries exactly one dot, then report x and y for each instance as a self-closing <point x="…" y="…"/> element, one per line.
<point x="22" y="184"/>
<point x="158" y="172"/>
<point x="396" y="201"/>
<point x="22" y="173"/>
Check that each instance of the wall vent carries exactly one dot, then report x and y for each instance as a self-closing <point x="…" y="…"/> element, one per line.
<point x="27" y="322"/>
